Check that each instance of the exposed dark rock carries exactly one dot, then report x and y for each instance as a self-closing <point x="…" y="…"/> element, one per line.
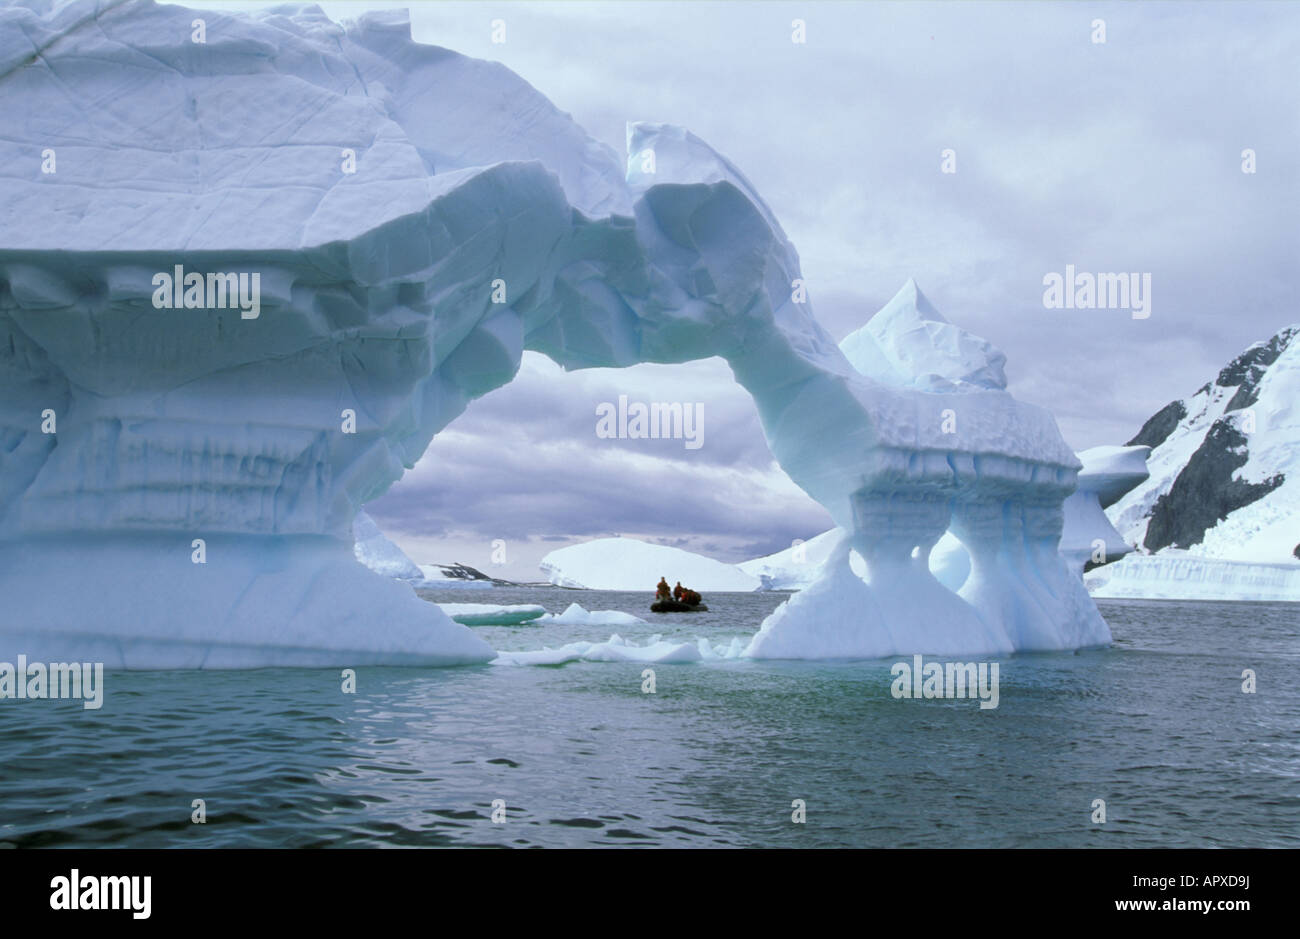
<point x="1246" y="370"/>
<point x="1159" y="426"/>
<point x="459" y="571"/>
<point x="1205" y="492"/>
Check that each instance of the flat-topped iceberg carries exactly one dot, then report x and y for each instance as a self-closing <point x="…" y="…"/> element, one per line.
<point x="629" y="564"/>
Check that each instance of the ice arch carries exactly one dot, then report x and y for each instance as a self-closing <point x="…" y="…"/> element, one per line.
<point x="416" y="219"/>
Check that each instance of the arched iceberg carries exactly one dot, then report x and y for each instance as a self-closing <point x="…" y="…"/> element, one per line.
<point x="245" y="281"/>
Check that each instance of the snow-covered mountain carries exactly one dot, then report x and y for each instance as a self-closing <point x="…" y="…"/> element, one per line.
<point x="1225" y="463"/>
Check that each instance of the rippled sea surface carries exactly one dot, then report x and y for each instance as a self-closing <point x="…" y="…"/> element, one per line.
<point x="1157" y="726"/>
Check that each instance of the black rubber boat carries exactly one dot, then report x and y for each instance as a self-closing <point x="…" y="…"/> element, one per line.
<point x="677" y="606"/>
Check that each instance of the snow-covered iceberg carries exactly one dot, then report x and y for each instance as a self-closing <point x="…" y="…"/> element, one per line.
<point x="909" y="343"/>
<point x="252" y="277"/>
<point x="999" y="506"/>
<point x="629" y="564"/>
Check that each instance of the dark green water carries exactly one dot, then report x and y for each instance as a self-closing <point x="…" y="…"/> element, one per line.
<point x="1157" y="726"/>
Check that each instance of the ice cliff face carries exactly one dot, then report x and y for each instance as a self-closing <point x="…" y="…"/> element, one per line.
<point x="398" y="223"/>
<point x="373" y="549"/>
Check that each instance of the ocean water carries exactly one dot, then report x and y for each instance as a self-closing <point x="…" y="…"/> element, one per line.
<point x="1157" y="726"/>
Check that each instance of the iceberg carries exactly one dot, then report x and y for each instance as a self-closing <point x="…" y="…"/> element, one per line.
<point x="909" y="343"/>
<point x="409" y="220"/>
<point x="1107" y="474"/>
<point x="1087" y="535"/>
<point x="800" y="565"/>
<point x="576" y="615"/>
<point x="629" y="564"/>
<point x="490" y="614"/>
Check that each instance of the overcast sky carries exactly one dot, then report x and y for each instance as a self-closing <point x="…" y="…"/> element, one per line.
<point x="1116" y="156"/>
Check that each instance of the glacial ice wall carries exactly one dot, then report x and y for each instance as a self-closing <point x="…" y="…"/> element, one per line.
<point x="414" y="219"/>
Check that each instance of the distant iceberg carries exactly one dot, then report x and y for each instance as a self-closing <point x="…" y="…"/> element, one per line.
<point x="629" y="564"/>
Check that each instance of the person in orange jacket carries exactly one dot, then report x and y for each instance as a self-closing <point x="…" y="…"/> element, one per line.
<point x="661" y="589"/>
<point x="678" y="591"/>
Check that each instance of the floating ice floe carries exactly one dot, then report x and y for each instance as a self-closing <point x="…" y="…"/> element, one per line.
<point x="656" y="651"/>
